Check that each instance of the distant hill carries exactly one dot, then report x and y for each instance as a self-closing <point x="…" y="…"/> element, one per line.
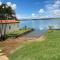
<point x="42" y="19"/>
<point x="47" y="19"/>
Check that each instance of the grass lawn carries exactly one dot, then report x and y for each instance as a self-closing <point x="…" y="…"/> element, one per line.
<point x="48" y="49"/>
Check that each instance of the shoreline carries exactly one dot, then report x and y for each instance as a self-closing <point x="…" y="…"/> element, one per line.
<point x="11" y="48"/>
<point x="12" y="44"/>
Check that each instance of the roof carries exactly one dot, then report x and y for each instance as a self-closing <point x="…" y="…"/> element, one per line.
<point x="8" y="21"/>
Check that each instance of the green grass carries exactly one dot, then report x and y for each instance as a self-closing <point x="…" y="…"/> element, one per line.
<point x="45" y="50"/>
<point x="16" y="33"/>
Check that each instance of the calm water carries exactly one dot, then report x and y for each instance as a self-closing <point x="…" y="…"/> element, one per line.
<point x="39" y="25"/>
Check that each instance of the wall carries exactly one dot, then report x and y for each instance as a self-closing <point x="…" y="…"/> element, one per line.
<point x="9" y="27"/>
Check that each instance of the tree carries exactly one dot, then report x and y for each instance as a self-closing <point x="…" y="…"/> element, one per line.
<point x="6" y="13"/>
<point x="50" y="27"/>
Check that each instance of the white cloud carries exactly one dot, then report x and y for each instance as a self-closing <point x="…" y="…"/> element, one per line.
<point x="0" y="2"/>
<point x="41" y="11"/>
<point x="33" y="14"/>
<point x="57" y="2"/>
<point x="9" y="3"/>
<point x="54" y="9"/>
<point x="21" y="16"/>
<point x="51" y="10"/>
<point x="12" y="5"/>
<point x="18" y="16"/>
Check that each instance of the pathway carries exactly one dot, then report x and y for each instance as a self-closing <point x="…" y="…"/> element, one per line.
<point x="11" y="44"/>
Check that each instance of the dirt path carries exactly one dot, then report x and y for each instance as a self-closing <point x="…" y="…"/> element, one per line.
<point x="4" y="57"/>
<point x="11" y="44"/>
<point x="42" y="38"/>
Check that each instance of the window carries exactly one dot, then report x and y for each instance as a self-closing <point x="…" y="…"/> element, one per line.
<point x="9" y="27"/>
<point x="17" y="25"/>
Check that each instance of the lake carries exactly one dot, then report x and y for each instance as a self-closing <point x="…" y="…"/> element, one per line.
<point x="39" y="25"/>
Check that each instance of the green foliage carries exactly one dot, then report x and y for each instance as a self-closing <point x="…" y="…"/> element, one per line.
<point x="50" y="27"/>
<point x="16" y="33"/>
<point x="6" y="12"/>
<point x="50" y="31"/>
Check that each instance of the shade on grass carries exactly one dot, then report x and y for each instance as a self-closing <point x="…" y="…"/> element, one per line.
<point x="45" y="50"/>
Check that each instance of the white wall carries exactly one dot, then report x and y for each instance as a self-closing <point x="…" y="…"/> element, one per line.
<point x="9" y="27"/>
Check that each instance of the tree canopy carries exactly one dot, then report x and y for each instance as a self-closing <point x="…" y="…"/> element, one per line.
<point x="6" y="12"/>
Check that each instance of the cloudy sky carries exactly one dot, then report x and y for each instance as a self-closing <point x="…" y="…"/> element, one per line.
<point x="35" y="8"/>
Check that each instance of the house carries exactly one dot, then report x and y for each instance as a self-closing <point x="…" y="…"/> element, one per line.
<point x="8" y="26"/>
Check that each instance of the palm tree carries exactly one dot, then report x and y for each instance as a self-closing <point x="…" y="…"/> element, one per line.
<point x="6" y="13"/>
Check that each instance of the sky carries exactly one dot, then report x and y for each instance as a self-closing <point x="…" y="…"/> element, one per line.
<point x="34" y="8"/>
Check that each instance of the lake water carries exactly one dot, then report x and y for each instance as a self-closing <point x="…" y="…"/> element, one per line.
<point x="39" y="25"/>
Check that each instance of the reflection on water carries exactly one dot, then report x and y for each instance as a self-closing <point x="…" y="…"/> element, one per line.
<point x="39" y="25"/>
<point x="36" y="33"/>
